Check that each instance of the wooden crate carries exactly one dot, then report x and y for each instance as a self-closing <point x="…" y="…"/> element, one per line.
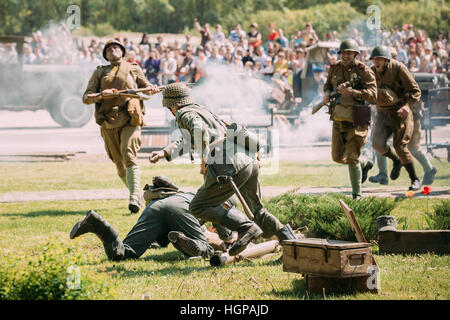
<point x="414" y="241"/>
<point x="327" y="258"/>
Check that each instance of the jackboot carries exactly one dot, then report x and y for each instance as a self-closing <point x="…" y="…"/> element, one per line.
<point x="415" y="182"/>
<point x="285" y="234"/>
<point x="133" y="178"/>
<point x="397" y="165"/>
<point x="365" y="169"/>
<point x="380" y="178"/>
<point x="428" y="178"/>
<point x="95" y="223"/>
<point x="186" y="245"/>
<point x="247" y="230"/>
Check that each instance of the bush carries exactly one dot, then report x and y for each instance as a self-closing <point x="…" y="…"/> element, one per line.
<point x="324" y="216"/>
<point x="440" y="218"/>
<point x="104" y="29"/>
<point x="55" y="274"/>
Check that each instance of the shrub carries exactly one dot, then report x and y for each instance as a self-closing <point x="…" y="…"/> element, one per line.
<point x="54" y="274"/>
<point x="324" y="216"/>
<point x="440" y="218"/>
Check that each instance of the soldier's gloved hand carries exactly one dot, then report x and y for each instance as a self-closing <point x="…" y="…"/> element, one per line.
<point x="403" y="112"/>
<point x="346" y="91"/>
<point x="155" y="156"/>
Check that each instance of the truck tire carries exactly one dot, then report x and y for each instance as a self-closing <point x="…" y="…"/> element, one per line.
<point x="69" y="111"/>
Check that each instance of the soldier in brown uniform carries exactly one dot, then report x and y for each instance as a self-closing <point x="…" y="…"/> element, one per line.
<point x="348" y="136"/>
<point x="120" y="118"/>
<point x="413" y="146"/>
<point x="398" y="93"/>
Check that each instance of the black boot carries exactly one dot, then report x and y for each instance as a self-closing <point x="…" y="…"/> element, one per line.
<point x="397" y="166"/>
<point x="95" y="223"/>
<point x="247" y="230"/>
<point x="415" y="182"/>
<point x="380" y="178"/>
<point x="186" y="245"/>
<point x="286" y="233"/>
<point x="365" y="170"/>
<point x="428" y="178"/>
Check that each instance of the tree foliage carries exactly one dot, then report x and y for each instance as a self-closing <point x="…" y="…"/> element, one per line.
<point x="21" y="17"/>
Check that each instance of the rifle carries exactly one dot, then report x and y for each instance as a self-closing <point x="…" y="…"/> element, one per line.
<point x="130" y="93"/>
<point x="334" y="95"/>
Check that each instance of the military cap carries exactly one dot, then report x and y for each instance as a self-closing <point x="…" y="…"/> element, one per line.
<point x="382" y="52"/>
<point x="177" y="94"/>
<point x="318" y="69"/>
<point x="110" y="42"/>
<point x="349" y="45"/>
<point x="386" y="223"/>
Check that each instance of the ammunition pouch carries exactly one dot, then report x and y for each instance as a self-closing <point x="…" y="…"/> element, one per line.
<point x="99" y="116"/>
<point x="136" y="111"/>
<point x="361" y="115"/>
<point x="386" y="97"/>
<point x="343" y="113"/>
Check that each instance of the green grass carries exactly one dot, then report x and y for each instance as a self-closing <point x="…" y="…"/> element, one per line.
<point x="164" y="274"/>
<point x="78" y="175"/>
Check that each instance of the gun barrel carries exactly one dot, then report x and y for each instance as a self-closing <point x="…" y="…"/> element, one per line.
<point x="318" y="107"/>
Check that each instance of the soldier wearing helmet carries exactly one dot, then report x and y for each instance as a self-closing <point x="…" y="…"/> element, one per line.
<point x="398" y="94"/>
<point x="120" y="118"/>
<point x="206" y="134"/>
<point x="414" y="147"/>
<point x="349" y="135"/>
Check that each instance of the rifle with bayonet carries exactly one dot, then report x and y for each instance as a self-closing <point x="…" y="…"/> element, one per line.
<point x="334" y="96"/>
<point x="130" y="93"/>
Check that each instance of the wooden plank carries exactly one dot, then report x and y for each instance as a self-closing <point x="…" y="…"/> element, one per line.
<point x="414" y="241"/>
<point x="318" y="285"/>
<point x="353" y="222"/>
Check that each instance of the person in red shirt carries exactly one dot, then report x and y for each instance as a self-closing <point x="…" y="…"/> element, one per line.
<point x="273" y="34"/>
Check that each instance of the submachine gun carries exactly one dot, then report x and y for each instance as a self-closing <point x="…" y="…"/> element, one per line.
<point x="335" y="95"/>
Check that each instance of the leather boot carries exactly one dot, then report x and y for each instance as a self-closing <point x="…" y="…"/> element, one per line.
<point x="364" y="170"/>
<point x="285" y="234"/>
<point x="186" y="245"/>
<point x="95" y="223"/>
<point x="397" y="165"/>
<point x="380" y="178"/>
<point x="428" y="178"/>
<point x="247" y="230"/>
<point x="415" y="182"/>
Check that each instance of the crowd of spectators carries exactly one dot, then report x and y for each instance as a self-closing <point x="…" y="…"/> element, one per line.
<point x="276" y="57"/>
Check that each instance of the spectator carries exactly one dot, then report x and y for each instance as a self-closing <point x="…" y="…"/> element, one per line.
<point x="218" y="36"/>
<point x="168" y="68"/>
<point x="131" y="57"/>
<point x="309" y="35"/>
<point x="236" y="34"/>
<point x="215" y="56"/>
<point x="205" y="33"/>
<point x="254" y="36"/>
<point x="248" y="57"/>
<point x="152" y="67"/>
<point x="187" y="69"/>
<point x="273" y="34"/>
<point x="145" y="42"/>
<point x="282" y="40"/>
<point x="28" y="55"/>
<point x="281" y="65"/>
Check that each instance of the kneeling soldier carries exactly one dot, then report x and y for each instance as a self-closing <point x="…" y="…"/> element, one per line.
<point x="205" y="133"/>
<point x="398" y="93"/>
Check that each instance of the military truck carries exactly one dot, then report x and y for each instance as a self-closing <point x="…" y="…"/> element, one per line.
<point x="55" y="88"/>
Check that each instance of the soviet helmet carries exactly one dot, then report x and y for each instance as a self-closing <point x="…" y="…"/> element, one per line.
<point x="110" y="42"/>
<point x="382" y="52"/>
<point x="350" y="45"/>
<point x="177" y="94"/>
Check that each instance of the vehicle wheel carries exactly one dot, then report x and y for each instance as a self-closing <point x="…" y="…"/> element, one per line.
<point x="70" y="112"/>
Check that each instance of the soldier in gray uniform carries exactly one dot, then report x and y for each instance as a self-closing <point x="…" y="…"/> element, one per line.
<point x="205" y="133"/>
<point x="165" y="219"/>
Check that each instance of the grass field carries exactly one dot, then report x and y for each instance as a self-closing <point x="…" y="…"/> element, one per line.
<point x="163" y="273"/>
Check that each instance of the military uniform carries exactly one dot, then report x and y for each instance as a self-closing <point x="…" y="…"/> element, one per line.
<point x="200" y="130"/>
<point x="347" y="138"/>
<point x="163" y="215"/>
<point x="396" y="88"/>
<point x="120" y="119"/>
